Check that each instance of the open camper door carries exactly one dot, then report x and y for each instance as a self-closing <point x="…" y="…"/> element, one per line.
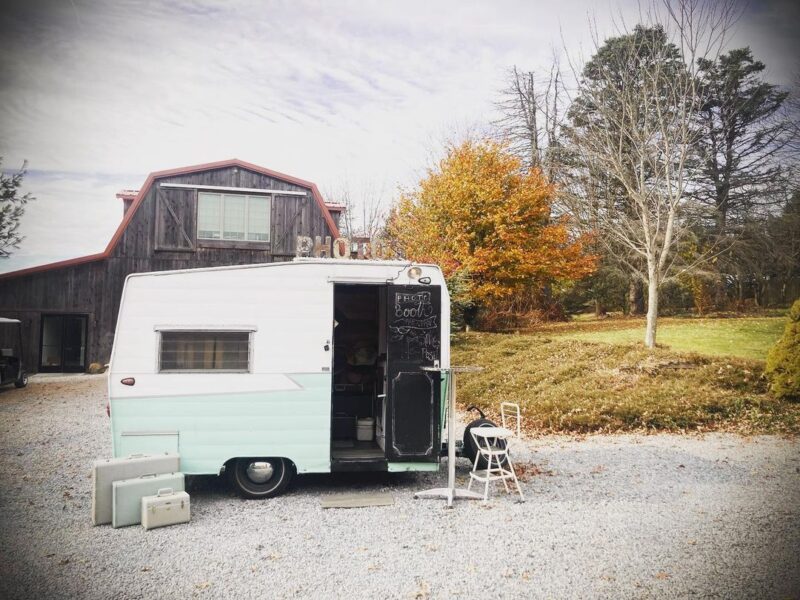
<point x="413" y="314"/>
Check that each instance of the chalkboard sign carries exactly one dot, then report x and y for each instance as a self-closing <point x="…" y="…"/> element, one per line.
<point x="414" y="320"/>
<point x="413" y="316"/>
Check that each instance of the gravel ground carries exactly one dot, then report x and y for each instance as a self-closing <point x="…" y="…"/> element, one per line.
<point x="616" y="516"/>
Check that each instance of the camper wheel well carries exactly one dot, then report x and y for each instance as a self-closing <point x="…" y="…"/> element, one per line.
<point x="260" y="477"/>
<point x="228" y="465"/>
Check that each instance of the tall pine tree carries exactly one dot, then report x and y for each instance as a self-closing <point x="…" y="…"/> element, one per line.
<point x="743" y="132"/>
<point x="12" y="207"/>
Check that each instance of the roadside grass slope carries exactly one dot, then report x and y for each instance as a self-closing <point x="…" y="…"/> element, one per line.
<point x="567" y="383"/>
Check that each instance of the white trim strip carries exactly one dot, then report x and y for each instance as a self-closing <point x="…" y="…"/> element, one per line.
<point x="358" y="279"/>
<point x="220" y="188"/>
<point x="148" y="433"/>
<point x="220" y="328"/>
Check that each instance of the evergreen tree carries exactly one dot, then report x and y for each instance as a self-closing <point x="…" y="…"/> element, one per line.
<point x="12" y="207"/>
<point x="743" y="132"/>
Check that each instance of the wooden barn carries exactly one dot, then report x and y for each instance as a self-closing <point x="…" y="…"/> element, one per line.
<point x="224" y="213"/>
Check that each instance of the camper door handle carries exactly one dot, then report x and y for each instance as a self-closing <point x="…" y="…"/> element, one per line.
<point x="327" y="346"/>
<point x="128" y="381"/>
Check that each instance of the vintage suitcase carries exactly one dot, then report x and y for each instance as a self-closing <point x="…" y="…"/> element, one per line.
<point x="165" y="508"/>
<point x="127" y="495"/>
<point x="114" y="469"/>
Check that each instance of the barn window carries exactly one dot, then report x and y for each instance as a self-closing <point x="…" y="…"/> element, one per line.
<point x="233" y="217"/>
<point x="205" y="351"/>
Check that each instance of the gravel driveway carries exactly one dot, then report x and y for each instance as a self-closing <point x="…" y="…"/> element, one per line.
<point x="615" y="516"/>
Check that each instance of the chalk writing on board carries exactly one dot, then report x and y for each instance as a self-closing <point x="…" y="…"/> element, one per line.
<point x="416" y="326"/>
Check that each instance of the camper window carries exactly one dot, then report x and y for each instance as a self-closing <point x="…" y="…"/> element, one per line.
<point x="204" y="351"/>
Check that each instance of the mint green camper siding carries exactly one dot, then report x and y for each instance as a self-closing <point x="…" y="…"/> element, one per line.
<point x="208" y="430"/>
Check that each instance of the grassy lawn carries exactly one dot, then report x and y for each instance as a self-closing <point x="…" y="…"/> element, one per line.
<point x="596" y="376"/>
<point x="749" y="337"/>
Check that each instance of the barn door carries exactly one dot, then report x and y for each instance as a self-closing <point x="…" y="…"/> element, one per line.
<point x="63" y="343"/>
<point x="175" y="220"/>
<point x="413" y="341"/>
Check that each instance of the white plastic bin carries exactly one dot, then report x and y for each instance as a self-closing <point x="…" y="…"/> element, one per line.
<point x="365" y="429"/>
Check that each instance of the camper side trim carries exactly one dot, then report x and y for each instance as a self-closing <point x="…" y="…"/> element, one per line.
<point x="250" y="328"/>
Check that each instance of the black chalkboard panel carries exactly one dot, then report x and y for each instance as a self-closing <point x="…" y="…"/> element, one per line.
<point x="414" y="332"/>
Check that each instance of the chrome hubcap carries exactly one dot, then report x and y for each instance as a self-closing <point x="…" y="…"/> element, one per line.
<point x="260" y="471"/>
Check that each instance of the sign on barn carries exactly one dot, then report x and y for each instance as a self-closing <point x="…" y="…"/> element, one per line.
<point x="341" y="247"/>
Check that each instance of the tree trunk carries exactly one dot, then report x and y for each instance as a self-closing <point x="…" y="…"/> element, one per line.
<point x="635" y="297"/>
<point x="652" y="311"/>
<point x="720" y="295"/>
<point x="628" y="300"/>
<point x="599" y="309"/>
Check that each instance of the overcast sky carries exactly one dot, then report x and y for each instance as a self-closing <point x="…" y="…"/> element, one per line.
<point x="95" y="95"/>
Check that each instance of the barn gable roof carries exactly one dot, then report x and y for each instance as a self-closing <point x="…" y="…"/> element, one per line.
<point x="234" y="162"/>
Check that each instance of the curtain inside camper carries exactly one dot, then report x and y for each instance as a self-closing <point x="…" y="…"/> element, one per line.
<point x="205" y="351"/>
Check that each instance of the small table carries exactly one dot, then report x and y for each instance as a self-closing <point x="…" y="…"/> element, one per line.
<point x="501" y="433"/>
<point x="450" y="493"/>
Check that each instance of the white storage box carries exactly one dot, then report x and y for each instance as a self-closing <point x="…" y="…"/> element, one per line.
<point x="365" y="429"/>
<point x="165" y="508"/>
<point x="127" y="495"/>
<point x="105" y="472"/>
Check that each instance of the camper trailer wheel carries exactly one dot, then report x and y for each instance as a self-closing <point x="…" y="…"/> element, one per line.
<point x="261" y="477"/>
<point x="22" y="380"/>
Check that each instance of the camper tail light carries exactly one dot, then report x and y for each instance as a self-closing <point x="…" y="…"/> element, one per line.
<point x="414" y="273"/>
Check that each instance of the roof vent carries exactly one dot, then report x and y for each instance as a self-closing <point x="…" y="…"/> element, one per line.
<point x="127" y="197"/>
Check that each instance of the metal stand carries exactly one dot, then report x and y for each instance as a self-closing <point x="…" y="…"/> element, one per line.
<point x="450" y="493"/>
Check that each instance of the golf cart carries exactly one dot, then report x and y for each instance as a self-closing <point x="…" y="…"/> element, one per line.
<point x="11" y="368"/>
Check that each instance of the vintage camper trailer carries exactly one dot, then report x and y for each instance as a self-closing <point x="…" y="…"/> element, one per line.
<point x="268" y="370"/>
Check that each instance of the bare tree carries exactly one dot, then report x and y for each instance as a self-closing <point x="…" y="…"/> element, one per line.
<point x="532" y="109"/>
<point x="633" y="131"/>
<point x="365" y="208"/>
<point x="793" y="110"/>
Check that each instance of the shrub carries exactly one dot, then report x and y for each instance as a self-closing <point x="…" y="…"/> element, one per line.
<point x="783" y="361"/>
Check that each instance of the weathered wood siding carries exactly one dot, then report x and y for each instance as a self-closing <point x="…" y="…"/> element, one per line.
<point x="76" y="289"/>
<point x="162" y="235"/>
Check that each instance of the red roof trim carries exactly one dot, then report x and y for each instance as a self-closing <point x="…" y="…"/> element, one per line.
<point x="235" y="162"/>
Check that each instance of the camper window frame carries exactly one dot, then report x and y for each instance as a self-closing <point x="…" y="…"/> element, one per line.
<point x="161" y="330"/>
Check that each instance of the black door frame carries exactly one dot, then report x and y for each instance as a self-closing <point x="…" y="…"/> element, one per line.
<point x="405" y="373"/>
<point x="62" y="369"/>
<point x="332" y="366"/>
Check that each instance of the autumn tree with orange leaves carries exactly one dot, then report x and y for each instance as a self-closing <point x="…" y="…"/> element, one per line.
<point x="486" y="220"/>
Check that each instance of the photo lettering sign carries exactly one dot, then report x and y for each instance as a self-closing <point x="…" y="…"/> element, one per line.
<point x="341" y="247"/>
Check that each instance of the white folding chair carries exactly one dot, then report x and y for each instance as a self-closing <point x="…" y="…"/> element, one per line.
<point x="505" y="407"/>
<point x="498" y="462"/>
